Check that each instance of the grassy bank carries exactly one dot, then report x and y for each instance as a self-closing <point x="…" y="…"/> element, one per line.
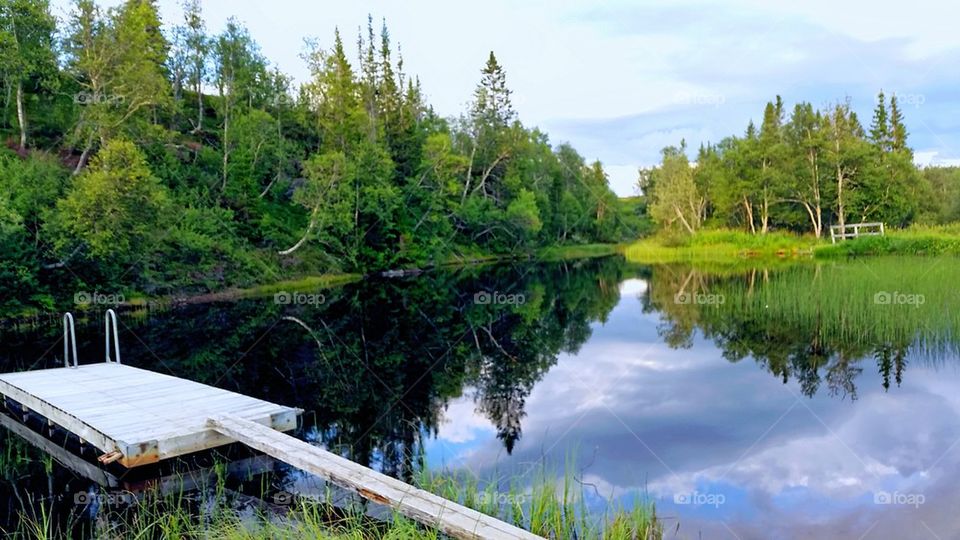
<point x="551" y="253"/>
<point x="732" y="247"/>
<point x="308" y="283"/>
<point x="805" y="318"/>
<point x="550" y="507"/>
<point x="917" y="240"/>
<point x="720" y="245"/>
<point x="583" y="251"/>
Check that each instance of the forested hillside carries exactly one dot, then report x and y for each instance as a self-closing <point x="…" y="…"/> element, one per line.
<point x="157" y="156"/>
<point x="803" y="172"/>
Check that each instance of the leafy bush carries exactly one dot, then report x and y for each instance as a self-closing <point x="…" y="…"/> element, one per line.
<point x="201" y="252"/>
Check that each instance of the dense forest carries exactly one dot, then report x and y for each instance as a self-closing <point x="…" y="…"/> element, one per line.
<point x="164" y="158"/>
<point x="803" y="173"/>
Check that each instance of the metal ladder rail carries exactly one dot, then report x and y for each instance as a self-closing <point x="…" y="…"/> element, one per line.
<point x="111" y="317"/>
<point x="69" y="340"/>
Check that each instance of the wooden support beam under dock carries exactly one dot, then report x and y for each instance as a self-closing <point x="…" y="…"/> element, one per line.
<point x="170" y="483"/>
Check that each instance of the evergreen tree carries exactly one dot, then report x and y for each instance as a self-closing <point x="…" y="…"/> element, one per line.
<point x="492" y="104"/>
<point x="880" y="134"/>
<point x="898" y="132"/>
<point x="369" y="79"/>
<point x="771" y="153"/>
<point x="491" y="115"/>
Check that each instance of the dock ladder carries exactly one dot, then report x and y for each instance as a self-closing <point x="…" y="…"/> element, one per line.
<point x="70" y="339"/>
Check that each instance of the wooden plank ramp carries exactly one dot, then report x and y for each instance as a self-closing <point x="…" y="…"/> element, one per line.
<point x="422" y="506"/>
<point x="136" y="416"/>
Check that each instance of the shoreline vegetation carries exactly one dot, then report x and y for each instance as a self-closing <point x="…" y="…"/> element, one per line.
<point x="552" y="507"/>
<point x="328" y="281"/>
<point x="711" y="246"/>
<point x="735" y="247"/>
<point x="723" y="247"/>
<point x="331" y="280"/>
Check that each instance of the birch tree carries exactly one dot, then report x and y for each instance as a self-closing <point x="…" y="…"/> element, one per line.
<point x="117" y="59"/>
<point x="675" y="198"/>
<point x="26" y="50"/>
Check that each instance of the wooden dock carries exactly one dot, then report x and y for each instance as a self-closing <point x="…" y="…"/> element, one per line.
<point x="135" y="416"/>
<point x="138" y="417"/>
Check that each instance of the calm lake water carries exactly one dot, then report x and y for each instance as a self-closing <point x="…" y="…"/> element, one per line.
<point x="817" y="400"/>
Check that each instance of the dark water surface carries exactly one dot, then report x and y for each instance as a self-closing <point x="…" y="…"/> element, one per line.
<point x="740" y="419"/>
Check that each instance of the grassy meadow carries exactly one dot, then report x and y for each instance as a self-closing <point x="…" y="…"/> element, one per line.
<point x="729" y="246"/>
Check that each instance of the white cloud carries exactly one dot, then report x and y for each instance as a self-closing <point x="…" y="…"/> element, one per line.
<point x="927" y="158"/>
<point x="460" y="422"/>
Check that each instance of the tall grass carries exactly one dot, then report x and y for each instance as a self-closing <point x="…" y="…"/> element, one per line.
<point x="729" y="246"/>
<point x="875" y="301"/>
<point x="717" y="245"/>
<point x="548" y="506"/>
<point x="916" y="240"/>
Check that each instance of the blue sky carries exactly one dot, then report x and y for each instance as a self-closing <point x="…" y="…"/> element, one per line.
<point x="620" y="80"/>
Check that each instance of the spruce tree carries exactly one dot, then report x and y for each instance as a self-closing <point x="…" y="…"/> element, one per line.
<point x="771" y="157"/>
<point x="898" y="132"/>
<point x="880" y="127"/>
<point x="492" y="97"/>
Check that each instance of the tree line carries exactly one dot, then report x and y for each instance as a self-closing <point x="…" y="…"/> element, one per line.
<point x="166" y="157"/>
<point x="802" y="173"/>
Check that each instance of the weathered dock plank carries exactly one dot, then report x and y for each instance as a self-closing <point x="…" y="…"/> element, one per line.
<point x="451" y="518"/>
<point x="143" y="415"/>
